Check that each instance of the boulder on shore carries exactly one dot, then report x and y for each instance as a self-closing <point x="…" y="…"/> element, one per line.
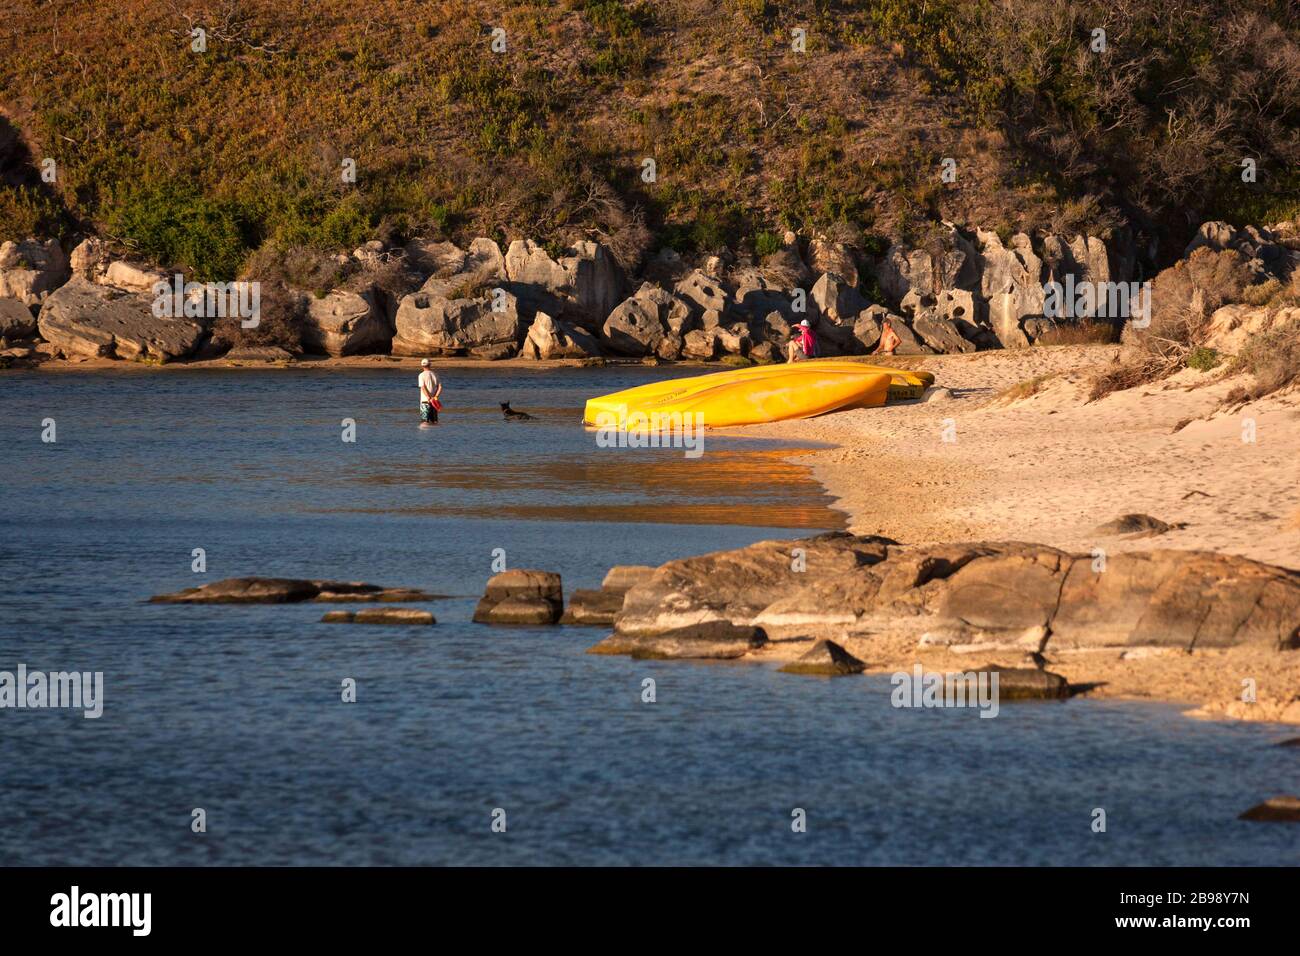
<point x="979" y="593"/>
<point x="427" y="323"/>
<point x="16" y="320"/>
<point x="1014" y="683"/>
<point x="30" y="270"/>
<point x="346" y="323"/>
<point x="82" y="318"/>
<point x="550" y="339"/>
<point x="825" y="659"/>
<point x="521" y="597"/>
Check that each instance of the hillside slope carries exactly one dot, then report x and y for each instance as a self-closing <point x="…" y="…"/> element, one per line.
<point x="198" y="159"/>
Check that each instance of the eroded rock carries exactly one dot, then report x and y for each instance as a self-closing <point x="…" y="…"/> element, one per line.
<point x="709" y="640"/>
<point x="826" y="659"/>
<point x="346" y="323"/>
<point x="82" y="318"/>
<point x="521" y="597"/>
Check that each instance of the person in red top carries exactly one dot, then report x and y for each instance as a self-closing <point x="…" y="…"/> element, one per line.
<point x="807" y="340"/>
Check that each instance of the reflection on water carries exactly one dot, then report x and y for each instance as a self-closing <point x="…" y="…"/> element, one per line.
<point x="273" y="440"/>
<point x="750" y="486"/>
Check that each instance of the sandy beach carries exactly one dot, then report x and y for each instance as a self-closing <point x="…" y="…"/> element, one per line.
<point x="1034" y="460"/>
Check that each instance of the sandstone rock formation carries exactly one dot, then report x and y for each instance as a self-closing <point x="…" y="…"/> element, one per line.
<point x="521" y="597"/>
<point x="82" y="318"/>
<point x="825" y="659"/>
<point x="427" y="323"/>
<point x="835" y="258"/>
<point x="346" y="323"/>
<point x="30" y="270"/>
<point x="991" y="594"/>
<point x="599" y="606"/>
<point x="583" y="286"/>
<point x="550" y="339"/>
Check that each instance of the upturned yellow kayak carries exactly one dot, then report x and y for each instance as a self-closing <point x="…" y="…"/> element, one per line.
<point x="745" y="396"/>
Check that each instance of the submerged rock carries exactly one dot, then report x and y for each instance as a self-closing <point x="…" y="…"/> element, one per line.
<point x="711" y="640"/>
<point x="521" y="597"/>
<point x="1017" y="683"/>
<point x="376" y="615"/>
<point x="826" y="658"/>
<point x="1284" y="809"/>
<point x="256" y="590"/>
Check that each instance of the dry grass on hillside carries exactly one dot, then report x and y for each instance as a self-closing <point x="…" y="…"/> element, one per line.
<point x="198" y="160"/>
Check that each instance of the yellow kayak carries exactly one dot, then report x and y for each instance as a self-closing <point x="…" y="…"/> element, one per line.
<point x="746" y="396"/>
<point x="903" y="384"/>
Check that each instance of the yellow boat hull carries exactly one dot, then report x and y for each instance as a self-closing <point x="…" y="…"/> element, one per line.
<point x="743" y="397"/>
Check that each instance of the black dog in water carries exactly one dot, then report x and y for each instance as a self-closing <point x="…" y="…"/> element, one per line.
<point x="513" y="416"/>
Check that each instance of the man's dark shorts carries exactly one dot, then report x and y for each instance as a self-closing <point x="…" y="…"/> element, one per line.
<point x="428" y="413"/>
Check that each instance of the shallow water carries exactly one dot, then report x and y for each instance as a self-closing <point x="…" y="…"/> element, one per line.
<point x="237" y="709"/>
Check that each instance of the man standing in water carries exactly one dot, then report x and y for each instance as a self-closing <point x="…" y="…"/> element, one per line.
<point x="430" y="389"/>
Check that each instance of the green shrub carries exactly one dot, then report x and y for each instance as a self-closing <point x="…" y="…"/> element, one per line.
<point x="174" y="225"/>
<point x="1202" y="358"/>
<point x="766" y="243"/>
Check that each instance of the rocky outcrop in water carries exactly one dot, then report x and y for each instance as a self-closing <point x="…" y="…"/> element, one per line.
<point x="991" y="595"/>
<point x="599" y="606"/>
<point x="257" y="590"/>
<point x="381" y="615"/>
<point x="521" y="597"/>
<point x="709" y="640"/>
<point x="825" y="659"/>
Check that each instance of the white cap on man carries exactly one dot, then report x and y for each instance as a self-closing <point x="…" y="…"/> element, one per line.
<point x="424" y="363"/>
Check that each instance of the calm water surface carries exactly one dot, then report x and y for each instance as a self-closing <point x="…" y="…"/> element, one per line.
<point x="237" y="710"/>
